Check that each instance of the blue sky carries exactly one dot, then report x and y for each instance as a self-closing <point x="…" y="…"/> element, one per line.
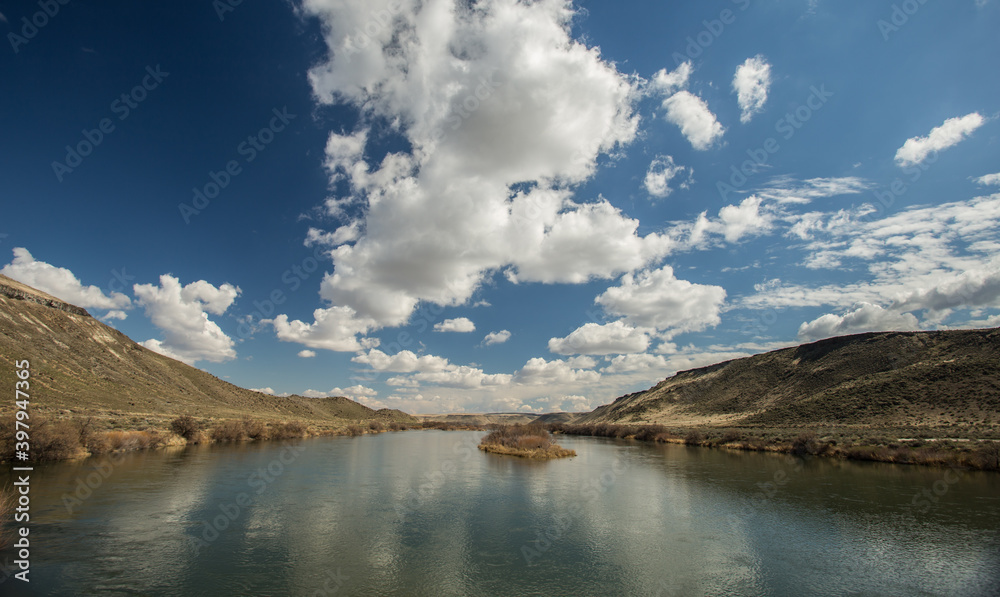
<point x="501" y="206"/>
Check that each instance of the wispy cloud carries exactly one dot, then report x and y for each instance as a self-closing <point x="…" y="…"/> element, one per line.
<point x="949" y="134"/>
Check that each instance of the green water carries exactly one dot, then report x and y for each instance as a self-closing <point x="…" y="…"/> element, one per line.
<point x="425" y="513"/>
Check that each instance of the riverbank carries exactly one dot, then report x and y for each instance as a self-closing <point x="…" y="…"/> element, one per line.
<point x="76" y="438"/>
<point x="525" y="441"/>
<point x="903" y="447"/>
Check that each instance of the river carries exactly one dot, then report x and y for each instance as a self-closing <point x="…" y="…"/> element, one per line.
<point x="425" y="513"/>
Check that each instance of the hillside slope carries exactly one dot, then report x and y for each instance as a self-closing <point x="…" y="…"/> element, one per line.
<point x="901" y="379"/>
<point x="79" y="366"/>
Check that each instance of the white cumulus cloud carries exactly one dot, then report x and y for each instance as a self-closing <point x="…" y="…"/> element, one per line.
<point x="662" y="171"/>
<point x="356" y="392"/>
<point x="670" y="82"/>
<point x="989" y="179"/>
<point x="181" y="313"/>
<point x="697" y="123"/>
<point x="949" y="134"/>
<point x="538" y="371"/>
<point x="657" y="299"/>
<point x="751" y="83"/>
<point x="599" y="339"/>
<point x="487" y="97"/>
<point x="496" y="337"/>
<point x="460" y="325"/>
<point x="867" y="317"/>
<point x="61" y="283"/>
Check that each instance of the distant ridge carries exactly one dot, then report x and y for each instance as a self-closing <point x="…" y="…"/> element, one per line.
<point x="942" y="379"/>
<point x="80" y="366"/>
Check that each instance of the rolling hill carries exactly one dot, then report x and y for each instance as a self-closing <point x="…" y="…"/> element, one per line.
<point x="82" y="367"/>
<point x="941" y="380"/>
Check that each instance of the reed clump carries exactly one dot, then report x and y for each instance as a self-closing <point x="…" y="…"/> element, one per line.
<point x="526" y="441"/>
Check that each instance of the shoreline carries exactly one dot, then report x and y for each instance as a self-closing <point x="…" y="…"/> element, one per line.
<point x="77" y="439"/>
<point x="828" y="442"/>
<point x="552" y="453"/>
<point x="972" y="454"/>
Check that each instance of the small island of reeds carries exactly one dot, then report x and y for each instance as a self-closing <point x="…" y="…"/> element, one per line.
<point x="526" y="441"/>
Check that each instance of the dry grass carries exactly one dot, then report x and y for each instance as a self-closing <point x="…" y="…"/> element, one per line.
<point x="127" y="441"/>
<point x="981" y="455"/>
<point x="229" y="431"/>
<point x="553" y="451"/>
<point x="248" y="429"/>
<point x="8" y="500"/>
<point x="528" y="441"/>
<point x="58" y="440"/>
<point x="354" y="430"/>
<point x="77" y="438"/>
<point x="293" y="430"/>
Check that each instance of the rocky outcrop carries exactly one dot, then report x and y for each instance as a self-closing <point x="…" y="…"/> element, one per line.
<point x="21" y="295"/>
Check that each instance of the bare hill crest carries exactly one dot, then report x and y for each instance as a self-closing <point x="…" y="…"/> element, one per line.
<point x="81" y="366"/>
<point x="918" y="379"/>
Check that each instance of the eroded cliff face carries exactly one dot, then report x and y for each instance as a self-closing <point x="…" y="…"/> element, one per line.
<point x="19" y="292"/>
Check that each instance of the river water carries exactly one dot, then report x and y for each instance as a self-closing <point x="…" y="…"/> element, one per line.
<point x="425" y="513"/>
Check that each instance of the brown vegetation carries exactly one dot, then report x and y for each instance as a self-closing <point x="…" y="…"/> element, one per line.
<point x="293" y="430"/>
<point x="65" y="439"/>
<point x="527" y="441"/>
<point x="7" y="502"/>
<point x="186" y="426"/>
<point x="982" y="455"/>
